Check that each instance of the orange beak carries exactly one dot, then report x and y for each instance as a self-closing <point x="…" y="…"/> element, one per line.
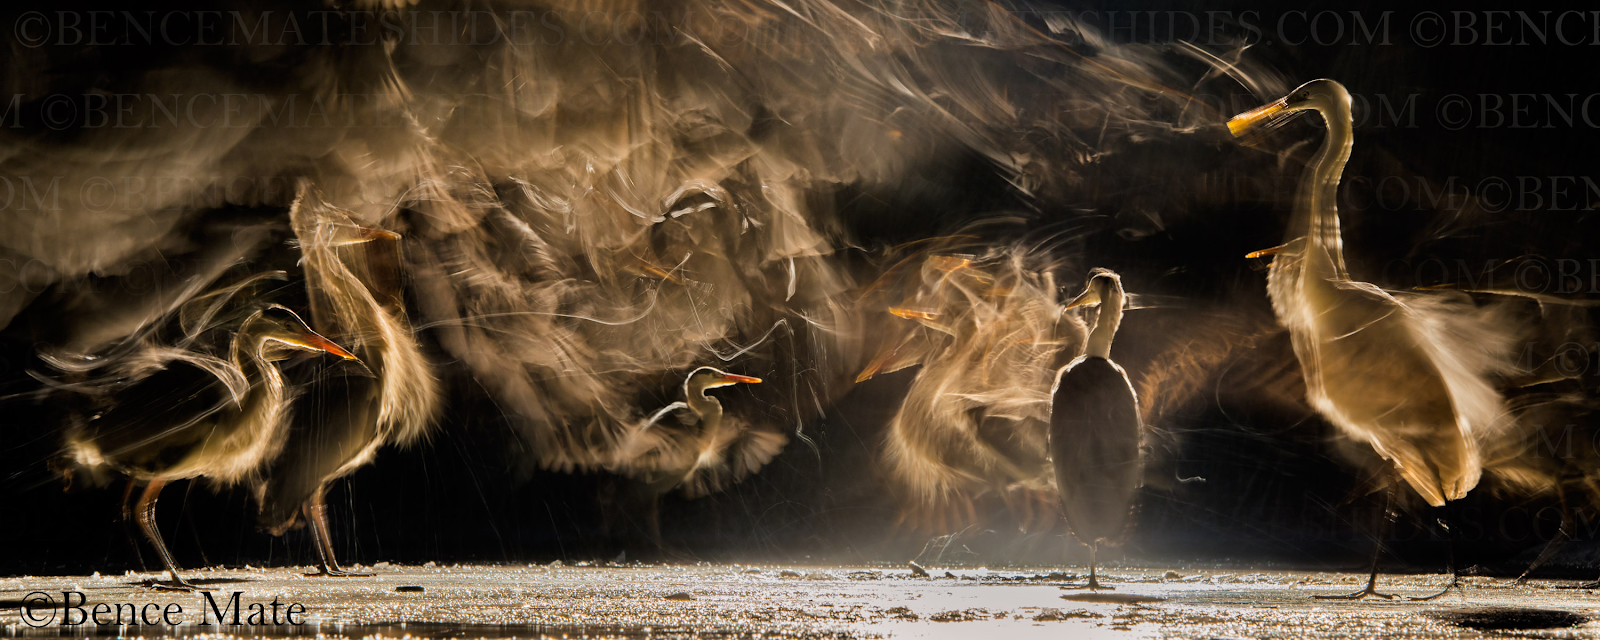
<point x="1263" y="253"/>
<point x="370" y="234"/>
<point x="738" y="378"/>
<point x="913" y="314"/>
<point x="328" y="346"/>
<point x="1244" y="122"/>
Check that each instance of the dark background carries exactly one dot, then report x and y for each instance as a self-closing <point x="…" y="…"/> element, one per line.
<point x="1273" y="490"/>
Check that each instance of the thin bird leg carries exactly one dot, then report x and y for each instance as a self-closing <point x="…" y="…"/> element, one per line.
<point x="128" y="519"/>
<point x="127" y="499"/>
<point x="1094" y="575"/>
<point x="1094" y="563"/>
<point x="1455" y="574"/>
<point x="653" y="523"/>
<point x="317" y="512"/>
<point x="146" y="515"/>
<point x="1372" y="576"/>
<point x="1562" y="537"/>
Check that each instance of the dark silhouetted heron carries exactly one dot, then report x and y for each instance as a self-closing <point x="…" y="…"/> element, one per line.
<point x="1095" y="432"/>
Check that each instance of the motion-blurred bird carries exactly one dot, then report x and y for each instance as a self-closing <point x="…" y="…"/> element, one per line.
<point x="1095" y="431"/>
<point x="178" y="415"/>
<point x="990" y="336"/>
<point x="1409" y="374"/>
<point x="710" y="450"/>
<point x="346" y="416"/>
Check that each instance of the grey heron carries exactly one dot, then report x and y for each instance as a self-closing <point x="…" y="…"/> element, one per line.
<point x="1095" y="431"/>
<point x="346" y="416"/>
<point x="187" y="416"/>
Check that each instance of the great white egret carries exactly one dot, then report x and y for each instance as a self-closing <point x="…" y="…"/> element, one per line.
<point x="1407" y="373"/>
<point x="1095" y="431"/>
<point x="189" y="416"/>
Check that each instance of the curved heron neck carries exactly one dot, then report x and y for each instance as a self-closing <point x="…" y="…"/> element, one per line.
<point x="705" y="406"/>
<point x="1105" y="325"/>
<point x="1318" y="199"/>
<point x="264" y="379"/>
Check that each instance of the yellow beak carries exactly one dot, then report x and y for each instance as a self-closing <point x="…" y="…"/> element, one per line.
<point x="1089" y="296"/>
<point x="913" y="314"/>
<point x="369" y="233"/>
<point x="1244" y="122"/>
<point x="316" y="342"/>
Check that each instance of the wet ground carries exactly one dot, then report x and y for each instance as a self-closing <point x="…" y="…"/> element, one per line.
<point x="733" y="601"/>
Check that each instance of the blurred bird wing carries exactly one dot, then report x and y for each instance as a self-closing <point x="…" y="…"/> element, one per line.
<point x="742" y="457"/>
<point x="651" y="447"/>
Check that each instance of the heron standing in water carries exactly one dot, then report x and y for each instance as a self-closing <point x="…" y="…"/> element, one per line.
<point x="354" y="283"/>
<point x="194" y="416"/>
<point x="1095" y="431"/>
<point x="1408" y="374"/>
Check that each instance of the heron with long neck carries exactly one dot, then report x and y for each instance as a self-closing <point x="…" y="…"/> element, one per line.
<point x="191" y="418"/>
<point x="704" y="453"/>
<point x="352" y="277"/>
<point x="1095" y="431"/>
<point x="1409" y="375"/>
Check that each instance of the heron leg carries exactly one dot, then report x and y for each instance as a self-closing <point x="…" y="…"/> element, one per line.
<point x="1455" y="574"/>
<point x="1372" y="575"/>
<point x="1094" y="563"/>
<point x="1562" y="537"/>
<point x="127" y="499"/>
<point x="653" y="522"/>
<point x="145" y="513"/>
<point x="1094" y="574"/>
<point x="128" y="519"/>
<point x="317" y="512"/>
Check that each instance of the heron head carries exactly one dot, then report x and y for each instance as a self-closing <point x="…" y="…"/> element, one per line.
<point x="280" y="333"/>
<point x="712" y="377"/>
<point x="1322" y="95"/>
<point x="1104" y="285"/>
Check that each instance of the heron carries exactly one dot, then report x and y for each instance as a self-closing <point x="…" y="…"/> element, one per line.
<point x="718" y="446"/>
<point x="1407" y="373"/>
<point x="1095" y="432"/>
<point x="709" y="452"/>
<point x="352" y="275"/>
<point x="187" y="415"/>
<point x="990" y="335"/>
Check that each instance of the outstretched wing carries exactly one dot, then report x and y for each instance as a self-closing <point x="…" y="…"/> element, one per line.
<point x="742" y="456"/>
